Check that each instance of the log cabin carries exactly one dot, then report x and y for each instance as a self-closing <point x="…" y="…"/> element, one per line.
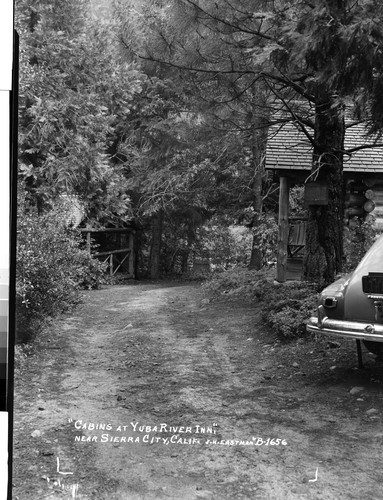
<point x="289" y="157"/>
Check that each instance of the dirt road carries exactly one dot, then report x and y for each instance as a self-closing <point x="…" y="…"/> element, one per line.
<point x="149" y="391"/>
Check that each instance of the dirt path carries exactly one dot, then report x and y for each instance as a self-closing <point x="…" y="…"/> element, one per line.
<point x="149" y="392"/>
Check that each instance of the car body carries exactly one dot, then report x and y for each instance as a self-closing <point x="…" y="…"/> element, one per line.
<point x="352" y="306"/>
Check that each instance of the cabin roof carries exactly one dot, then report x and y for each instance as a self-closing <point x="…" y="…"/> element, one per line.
<point x="289" y="149"/>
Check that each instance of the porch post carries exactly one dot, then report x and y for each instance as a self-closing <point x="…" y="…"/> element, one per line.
<point x="111" y="264"/>
<point x="283" y="228"/>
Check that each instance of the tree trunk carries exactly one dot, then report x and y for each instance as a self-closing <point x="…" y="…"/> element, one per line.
<point x="155" y="247"/>
<point x="324" y="237"/>
<point x="185" y="261"/>
<point x="137" y="263"/>
<point x="259" y="140"/>
<point x="283" y="229"/>
<point x="256" y="258"/>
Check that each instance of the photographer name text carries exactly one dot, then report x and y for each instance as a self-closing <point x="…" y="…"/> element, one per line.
<point x="164" y="434"/>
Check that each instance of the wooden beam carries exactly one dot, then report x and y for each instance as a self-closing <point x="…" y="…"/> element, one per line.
<point x="112" y="252"/>
<point x="120" y="263"/>
<point x="283" y="228"/>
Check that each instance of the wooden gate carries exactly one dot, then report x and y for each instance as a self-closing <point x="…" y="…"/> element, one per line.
<point x="118" y="259"/>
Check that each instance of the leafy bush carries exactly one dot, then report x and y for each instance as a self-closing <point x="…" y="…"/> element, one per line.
<point x="286" y="307"/>
<point x="262" y="234"/>
<point x="358" y="237"/>
<point x="21" y="353"/>
<point x="266" y="236"/>
<point x="223" y="244"/>
<point x="51" y="268"/>
<point x="238" y="281"/>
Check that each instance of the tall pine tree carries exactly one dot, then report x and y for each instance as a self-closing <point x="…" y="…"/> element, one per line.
<point x="313" y="57"/>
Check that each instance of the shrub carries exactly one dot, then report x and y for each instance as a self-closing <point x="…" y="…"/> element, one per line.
<point x="238" y="281"/>
<point x="223" y="245"/>
<point x="358" y="238"/>
<point x="286" y="307"/>
<point x="266" y="236"/>
<point x="51" y="268"/>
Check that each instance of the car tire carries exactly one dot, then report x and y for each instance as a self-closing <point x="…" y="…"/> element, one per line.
<point x="374" y="347"/>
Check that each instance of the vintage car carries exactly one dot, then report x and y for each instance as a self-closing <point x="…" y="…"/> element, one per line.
<point x="352" y="307"/>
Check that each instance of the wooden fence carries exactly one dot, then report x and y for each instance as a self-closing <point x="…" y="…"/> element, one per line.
<point x="117" y="258"/>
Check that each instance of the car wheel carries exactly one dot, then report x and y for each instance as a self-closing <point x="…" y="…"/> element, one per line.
<point x="374" y="347"/>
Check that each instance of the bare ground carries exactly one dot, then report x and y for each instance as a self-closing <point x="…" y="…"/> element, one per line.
<point x="149" y="391"/>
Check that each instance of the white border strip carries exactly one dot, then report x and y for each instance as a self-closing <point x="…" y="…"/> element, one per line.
<point x="3" y="455"/>
<point x="6" y="61"/>
<point x="6" y="30"/>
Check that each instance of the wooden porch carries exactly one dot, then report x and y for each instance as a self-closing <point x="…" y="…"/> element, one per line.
<point x="289" y="156"/>
<point x="294" y="268"/>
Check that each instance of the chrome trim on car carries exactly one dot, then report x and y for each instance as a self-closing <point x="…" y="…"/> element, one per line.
<point x="321" y="316"/>
<point x="347" y="329"/>
<point x="330" y="302"/>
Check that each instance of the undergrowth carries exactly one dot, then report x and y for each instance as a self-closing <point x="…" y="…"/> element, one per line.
<point x="286" y="307"/>
<point x="52" y="266"/>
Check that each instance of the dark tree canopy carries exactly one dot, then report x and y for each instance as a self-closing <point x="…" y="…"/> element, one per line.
<point x="73" y="86"/>
<point x="173" y="122"/>
<point x="316" y="60"/>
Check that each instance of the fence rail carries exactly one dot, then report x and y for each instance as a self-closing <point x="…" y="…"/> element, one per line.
<point x="115" y="258"/>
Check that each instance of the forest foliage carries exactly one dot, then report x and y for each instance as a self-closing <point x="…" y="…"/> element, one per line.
<point x="158" y="114"/>
<point x="264" y="62"/>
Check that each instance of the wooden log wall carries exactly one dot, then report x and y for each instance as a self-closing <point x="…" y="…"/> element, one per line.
<point x="377" y="197"/>
<point x="365" y="197"/>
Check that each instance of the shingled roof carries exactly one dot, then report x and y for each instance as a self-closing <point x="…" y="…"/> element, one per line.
<point x="289" y="149"/>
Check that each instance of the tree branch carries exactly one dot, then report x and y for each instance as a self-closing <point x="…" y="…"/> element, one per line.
<point x="241" y="29"/>
<point x="365" y="146"/>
